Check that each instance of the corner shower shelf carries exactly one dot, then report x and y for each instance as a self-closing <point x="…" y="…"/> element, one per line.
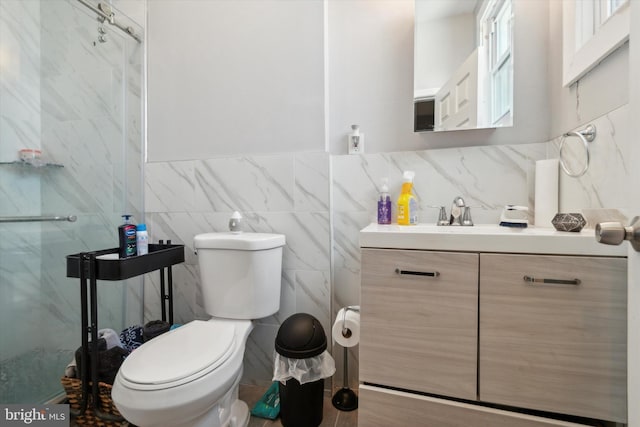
<point x="28" y="165"/>
<point x="104" y="264"/>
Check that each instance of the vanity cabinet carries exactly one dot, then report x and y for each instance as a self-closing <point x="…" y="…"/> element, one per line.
<point x="437" y="325"/>
<point x="419" y="321"/>
<point x="385" y="408"/>
<point x="558" y="346"/>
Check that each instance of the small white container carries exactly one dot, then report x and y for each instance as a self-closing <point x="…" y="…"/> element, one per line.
<point x="142" y="239"/>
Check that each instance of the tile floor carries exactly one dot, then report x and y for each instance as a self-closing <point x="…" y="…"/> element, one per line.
<point x="331" y="416"/>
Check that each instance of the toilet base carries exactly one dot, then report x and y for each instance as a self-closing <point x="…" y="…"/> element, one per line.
<point x="240" y="414"/>
<point x="239" y="417"/>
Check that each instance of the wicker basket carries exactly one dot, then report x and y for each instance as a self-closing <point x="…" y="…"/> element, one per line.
<point x="73" y="388"/>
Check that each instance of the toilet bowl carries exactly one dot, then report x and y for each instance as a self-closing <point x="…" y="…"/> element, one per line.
<point x="185" y="377"/>
<point x="189" y="376"/>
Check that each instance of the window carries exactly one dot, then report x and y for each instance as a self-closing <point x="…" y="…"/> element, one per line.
<point x="592" y="29"/>
<point x="499" y="19"/>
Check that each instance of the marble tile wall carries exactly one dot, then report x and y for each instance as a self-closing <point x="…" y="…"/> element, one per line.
<point x="289" y="194"/>
<point x="607" y="183"/>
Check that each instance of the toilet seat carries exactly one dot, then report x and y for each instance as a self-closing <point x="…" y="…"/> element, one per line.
<point x="200" y="347"/>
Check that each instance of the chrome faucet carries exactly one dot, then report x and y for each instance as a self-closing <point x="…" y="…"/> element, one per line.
<point x="456" y="211"/>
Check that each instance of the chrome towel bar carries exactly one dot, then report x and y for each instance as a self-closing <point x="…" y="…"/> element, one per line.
<point x="70" y="218"/>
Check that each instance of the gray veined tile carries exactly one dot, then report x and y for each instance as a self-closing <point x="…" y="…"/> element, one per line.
<point x="169" y="187"/>
<point x="307" y="237"/>
<point x="260" y="183"/>
<point x="356" y="181"/>
<point x="258" y="358"/>
<point x="313" y="296"/>
<point x="311" y="191"/>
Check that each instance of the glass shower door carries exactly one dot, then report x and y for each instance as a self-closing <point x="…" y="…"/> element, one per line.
<point x="70" y="87"/>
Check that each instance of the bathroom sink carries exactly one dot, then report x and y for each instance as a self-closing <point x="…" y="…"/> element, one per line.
<point x="486" y="238"/>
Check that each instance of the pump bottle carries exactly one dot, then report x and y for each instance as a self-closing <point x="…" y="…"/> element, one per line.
<point x="407" y="203"/>
<point x="127" y="238"/>
<point x="384" y="204"/>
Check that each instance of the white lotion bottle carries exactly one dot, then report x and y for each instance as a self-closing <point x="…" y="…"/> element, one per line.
<point x="142" y="239"/>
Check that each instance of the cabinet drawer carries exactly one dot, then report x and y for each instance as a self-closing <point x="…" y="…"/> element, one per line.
<point x="383" y="408"/>
<point x="419" y="332"/>
<point x="554" y="347"/>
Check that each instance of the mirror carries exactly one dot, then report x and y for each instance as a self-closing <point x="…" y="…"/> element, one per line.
<point x="463" y="64"/>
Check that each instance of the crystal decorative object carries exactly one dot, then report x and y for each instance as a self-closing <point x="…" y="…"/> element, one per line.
<point x="568" y="222"/>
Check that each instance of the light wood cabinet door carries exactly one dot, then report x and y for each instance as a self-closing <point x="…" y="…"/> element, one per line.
<point x="554" y="347"/>
<point x="419" y="332"/>
<point x="385" y="408"/>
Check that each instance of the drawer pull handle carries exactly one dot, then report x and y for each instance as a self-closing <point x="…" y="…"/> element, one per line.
<point x="552" y="281"/>
<point x="417" y="273"/>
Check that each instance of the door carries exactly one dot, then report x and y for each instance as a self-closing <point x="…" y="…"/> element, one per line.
<point x="634" y="257"/>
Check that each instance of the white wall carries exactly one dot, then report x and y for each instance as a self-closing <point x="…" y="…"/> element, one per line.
<point x="370" y="56"/>
<point x="230" y="77"/>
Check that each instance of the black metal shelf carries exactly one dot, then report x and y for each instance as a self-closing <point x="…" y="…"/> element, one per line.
<point x="159" y="256"/>
<point x="92" y="266"/>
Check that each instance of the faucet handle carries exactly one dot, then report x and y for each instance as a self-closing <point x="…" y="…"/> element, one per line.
<point x="466" y="217"/>
<point x="442" y="215"/>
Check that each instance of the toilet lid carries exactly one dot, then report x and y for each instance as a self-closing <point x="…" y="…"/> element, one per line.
<point x="180" y="355"/>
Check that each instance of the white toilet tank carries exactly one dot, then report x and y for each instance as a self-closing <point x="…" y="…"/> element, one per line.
<point x="240" y="273"/>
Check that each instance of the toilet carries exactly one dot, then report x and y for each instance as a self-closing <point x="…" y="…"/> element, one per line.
<point x="189" y="376"/>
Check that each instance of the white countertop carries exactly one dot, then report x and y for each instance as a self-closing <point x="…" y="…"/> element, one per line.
<point x="487" y="238"/>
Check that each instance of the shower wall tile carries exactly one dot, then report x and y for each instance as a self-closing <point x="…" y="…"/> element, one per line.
<point x="20" y="82"/>
<point x="64" y="94"/>
<point x="19" y="186"/>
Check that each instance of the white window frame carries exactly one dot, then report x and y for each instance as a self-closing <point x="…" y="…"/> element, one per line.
<point x="494" y="63"/>
<point x="609" y="33"/>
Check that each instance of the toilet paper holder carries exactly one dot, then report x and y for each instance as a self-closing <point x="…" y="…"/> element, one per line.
<point x="346" y="399"/>
<point x="346" y="332"/>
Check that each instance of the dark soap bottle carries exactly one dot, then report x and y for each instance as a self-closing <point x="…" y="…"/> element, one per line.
<point x="127" y="238"/>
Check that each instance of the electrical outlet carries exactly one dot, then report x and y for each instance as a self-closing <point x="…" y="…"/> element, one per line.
<point x="356" y="144"/>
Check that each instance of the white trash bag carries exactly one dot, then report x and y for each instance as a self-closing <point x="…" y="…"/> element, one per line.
<point x="303" y="370"/>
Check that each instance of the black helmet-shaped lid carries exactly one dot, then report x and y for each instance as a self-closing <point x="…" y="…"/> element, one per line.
<point x="301" y="336"/>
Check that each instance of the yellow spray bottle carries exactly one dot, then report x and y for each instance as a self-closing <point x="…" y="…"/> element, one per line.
<point x="407" y="203"/>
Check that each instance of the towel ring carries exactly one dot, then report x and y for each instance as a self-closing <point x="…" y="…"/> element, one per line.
<point x="586" y="135"/>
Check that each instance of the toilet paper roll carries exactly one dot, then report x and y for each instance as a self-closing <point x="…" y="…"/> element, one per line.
<point x="546" y="192"/>
<point x="351" y="322"/>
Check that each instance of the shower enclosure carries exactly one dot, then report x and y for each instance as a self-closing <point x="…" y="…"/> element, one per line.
<point x="71" y="90"/>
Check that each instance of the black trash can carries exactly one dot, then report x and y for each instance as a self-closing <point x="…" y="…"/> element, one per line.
<point x="301" y="336"/>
